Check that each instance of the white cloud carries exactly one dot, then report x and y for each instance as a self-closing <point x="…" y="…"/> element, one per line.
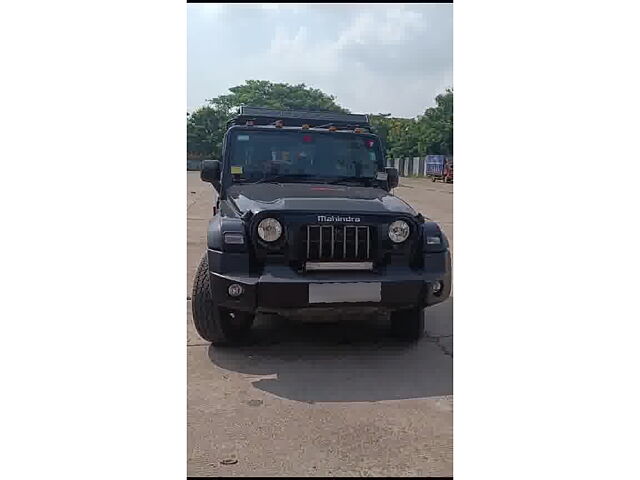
<point x="283" y="42"/>
<point x="292" y="52"/>
<point x="393" y="27"/>
<point x="373" y="58"/>
<point x="211" y="11"/>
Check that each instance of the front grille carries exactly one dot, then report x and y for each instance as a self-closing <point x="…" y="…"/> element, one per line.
<point x="333" y="243"/>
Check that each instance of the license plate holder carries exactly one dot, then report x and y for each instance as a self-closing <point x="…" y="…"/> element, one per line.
<point x="355" y="292"/>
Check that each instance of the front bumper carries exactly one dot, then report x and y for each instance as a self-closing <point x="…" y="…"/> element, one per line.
<point x="279" y="287"/>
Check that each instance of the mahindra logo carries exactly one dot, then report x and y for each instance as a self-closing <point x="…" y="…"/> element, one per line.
<point x="332" y="218"/>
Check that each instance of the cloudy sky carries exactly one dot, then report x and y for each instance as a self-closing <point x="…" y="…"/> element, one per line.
<point x="376" y="58"/>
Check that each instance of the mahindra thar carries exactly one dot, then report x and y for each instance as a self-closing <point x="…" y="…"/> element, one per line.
<point x="305" y="223"/>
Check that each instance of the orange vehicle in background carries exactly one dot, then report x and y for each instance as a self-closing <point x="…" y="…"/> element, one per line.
<point x="447" y="176"/>
<point x="440" y="169"/>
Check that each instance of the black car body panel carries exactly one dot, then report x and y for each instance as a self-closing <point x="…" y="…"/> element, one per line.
<point x="323" y="224"/>
<point x="279" y="287"/>
<point x="316" y="198"/>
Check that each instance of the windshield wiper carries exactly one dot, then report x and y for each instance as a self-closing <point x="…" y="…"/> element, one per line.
<point x="311" y="178"/>
<point x="341" y="180"/>
<point x="287" y="176"/>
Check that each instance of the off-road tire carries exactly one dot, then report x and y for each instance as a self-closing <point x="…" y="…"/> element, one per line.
<point x="408" y="324"/>
<point x="221" y="327"/>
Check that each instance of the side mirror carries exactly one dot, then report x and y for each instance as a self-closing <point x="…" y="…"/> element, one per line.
<point x="210" y="172"/>
<point x="392" y="177"/>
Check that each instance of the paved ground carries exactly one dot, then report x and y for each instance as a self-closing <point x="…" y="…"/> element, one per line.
<point x="318" y="400"/>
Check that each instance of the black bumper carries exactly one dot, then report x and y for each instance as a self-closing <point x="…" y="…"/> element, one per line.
<point x="279" y="287"/>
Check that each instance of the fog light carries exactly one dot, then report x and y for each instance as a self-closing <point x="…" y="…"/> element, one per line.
<point x="436" y="287"/>
<point x="235" y="290"/>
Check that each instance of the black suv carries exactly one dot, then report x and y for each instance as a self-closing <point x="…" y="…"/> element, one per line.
<point x="305" y="223"/>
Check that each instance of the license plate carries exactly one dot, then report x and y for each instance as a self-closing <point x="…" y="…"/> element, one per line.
<point x="344" y="292"/>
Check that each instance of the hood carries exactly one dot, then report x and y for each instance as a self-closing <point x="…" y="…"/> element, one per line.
<point x="316" y="198"/>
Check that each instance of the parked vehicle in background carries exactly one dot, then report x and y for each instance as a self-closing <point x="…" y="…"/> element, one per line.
<point x="439" y="167"/>
<point x="447" y="176"/>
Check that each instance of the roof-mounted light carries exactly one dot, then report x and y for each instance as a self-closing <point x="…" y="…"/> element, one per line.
<point x="297" y="118"/>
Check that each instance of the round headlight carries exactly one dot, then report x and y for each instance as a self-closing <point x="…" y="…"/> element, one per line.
<point x="269" y="229"/>
<point x="399" y="231"/>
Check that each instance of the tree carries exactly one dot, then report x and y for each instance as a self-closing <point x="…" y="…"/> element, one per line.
<point x="205" y="129"/>
<point x="427" y="134"/>
<point x="262" y="93"/>
<point x="397" y="134"/>
<point x="381" y="125"/>
<point x="206" y="125"/>
<point x="436" y="125"/>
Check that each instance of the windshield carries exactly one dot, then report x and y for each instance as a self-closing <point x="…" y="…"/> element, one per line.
<point x="297" y="155"/>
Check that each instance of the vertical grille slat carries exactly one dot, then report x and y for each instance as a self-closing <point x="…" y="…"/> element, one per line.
<point x="344" y="242"/>
<point x="356" y="242"/>
<point x="335" y="243"/>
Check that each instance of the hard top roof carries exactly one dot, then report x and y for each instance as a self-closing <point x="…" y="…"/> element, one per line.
<point x="298" y="118"/>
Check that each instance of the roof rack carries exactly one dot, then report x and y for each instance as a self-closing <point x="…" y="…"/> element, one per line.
<point x="298" y="118"/>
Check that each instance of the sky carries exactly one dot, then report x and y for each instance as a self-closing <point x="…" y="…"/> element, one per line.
<point x="374" y="58"/>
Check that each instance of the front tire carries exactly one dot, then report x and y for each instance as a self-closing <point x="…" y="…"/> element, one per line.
<point x="217" y="325"/>
<point x="408" y="324"/>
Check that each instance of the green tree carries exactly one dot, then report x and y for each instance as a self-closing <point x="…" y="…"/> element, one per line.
<point x="205" y="129"/>
<point x="393" y="132"/>
<point x="381" y="125"/>
<point x="262" y="93"/>
<point x="436" y="126"/>
<point x="402" y="137"/>
<point x="427" y="134"/>
<point x="206" y="125"/>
